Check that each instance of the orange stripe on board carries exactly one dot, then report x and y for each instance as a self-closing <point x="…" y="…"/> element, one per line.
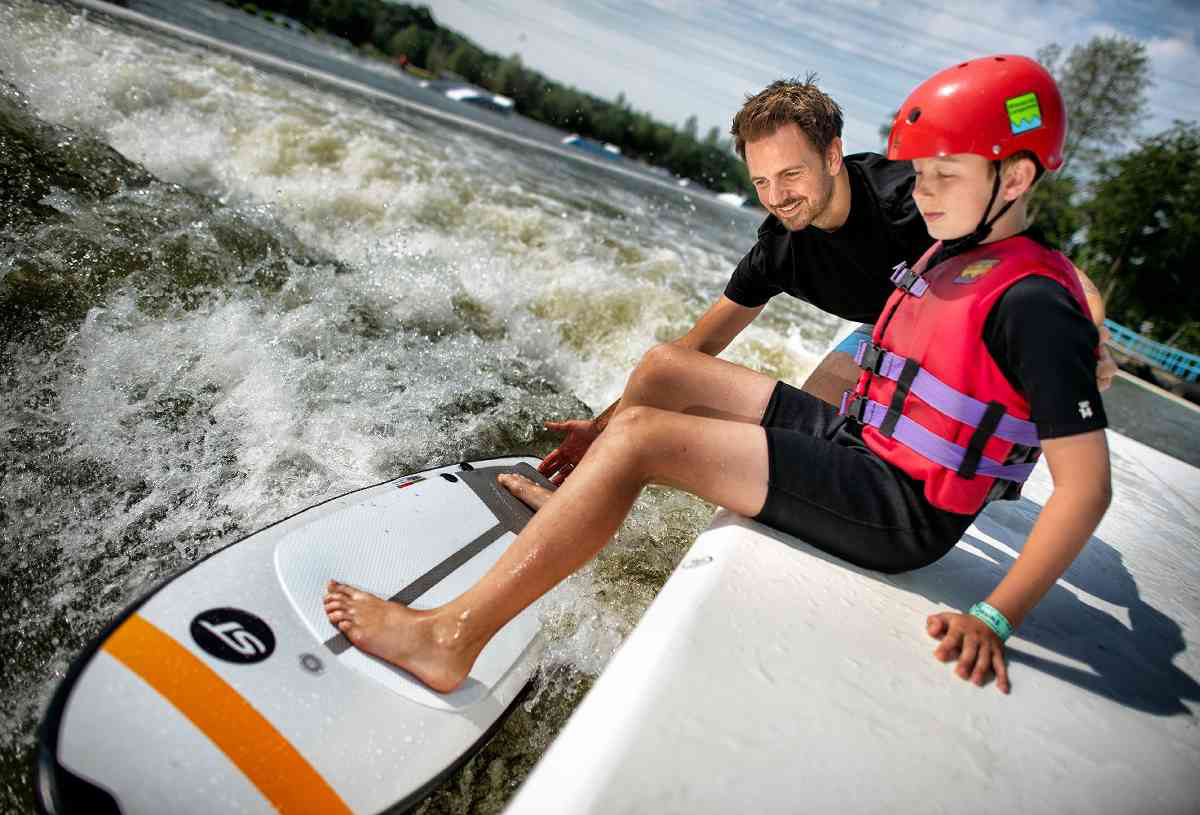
<point x="252" y="743"/>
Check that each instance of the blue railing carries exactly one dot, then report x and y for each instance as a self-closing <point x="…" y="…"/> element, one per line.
<point x="1172" y="360"/>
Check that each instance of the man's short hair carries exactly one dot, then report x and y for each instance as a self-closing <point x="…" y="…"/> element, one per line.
<point x="788" y="101"/>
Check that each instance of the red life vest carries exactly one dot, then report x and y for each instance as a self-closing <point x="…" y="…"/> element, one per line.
<point x="931" y="399"/>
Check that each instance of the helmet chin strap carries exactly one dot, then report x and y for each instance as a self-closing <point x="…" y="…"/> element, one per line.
<point x="957" y="245"/>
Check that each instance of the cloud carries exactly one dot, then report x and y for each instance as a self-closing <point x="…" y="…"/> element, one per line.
<point x="674" y="58"/>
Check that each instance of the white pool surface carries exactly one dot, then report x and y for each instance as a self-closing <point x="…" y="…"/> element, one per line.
<point x="768" y="678"/>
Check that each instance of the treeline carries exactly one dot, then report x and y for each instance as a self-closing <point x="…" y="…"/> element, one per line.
<point x="397" y="30"/>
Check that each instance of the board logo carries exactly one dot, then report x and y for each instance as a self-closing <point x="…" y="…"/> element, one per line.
<point x="233" y="635"/>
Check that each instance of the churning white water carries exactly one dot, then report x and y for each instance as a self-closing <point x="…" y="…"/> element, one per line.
<point x="317" y="294"/>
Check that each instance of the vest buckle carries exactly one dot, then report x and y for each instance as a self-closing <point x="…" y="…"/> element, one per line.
<point x="869" y="356"/>
<point x="854" y="406"/>
<point x="907" y="280"/>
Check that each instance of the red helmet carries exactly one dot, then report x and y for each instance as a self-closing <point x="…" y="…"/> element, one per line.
<point x="991" y="106"/>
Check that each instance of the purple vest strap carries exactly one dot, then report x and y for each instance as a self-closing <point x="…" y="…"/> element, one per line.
<point x="941" y="397"/>
<point x="909" y="280"/>
<point x="928" y="444"/>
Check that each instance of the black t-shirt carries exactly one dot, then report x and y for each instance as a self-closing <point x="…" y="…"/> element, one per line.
<point x="847" y="271"/>
<point x="1044" y="342"/>
<point x="1046" y="348"/>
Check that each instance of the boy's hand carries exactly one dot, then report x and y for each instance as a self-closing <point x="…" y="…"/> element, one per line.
<point x="977" y="647"/>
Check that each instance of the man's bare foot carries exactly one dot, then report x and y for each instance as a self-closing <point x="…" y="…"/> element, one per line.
<point x="531" y="494"/>
<point x="416" y="641"/>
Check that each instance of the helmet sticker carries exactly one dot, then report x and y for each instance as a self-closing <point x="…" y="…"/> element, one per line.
<point x="1023" y="113"/>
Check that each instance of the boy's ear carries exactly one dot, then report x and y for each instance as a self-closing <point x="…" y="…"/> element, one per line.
<point x="1018" y="178"/>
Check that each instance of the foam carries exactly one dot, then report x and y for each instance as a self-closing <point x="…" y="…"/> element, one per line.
<point x="475" y="271"/>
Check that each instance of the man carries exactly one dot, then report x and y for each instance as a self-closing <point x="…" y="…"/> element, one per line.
<point x="837" y="227"/>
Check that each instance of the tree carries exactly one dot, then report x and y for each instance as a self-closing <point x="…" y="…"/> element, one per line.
<point x="467" y="61"/>
<point x="691" y="128"/>
<point x="1143" y="232"/>
<point x="1053" y="210"/>
<point x="505" y="78"/>
<point x="413" y="43"/>
<point x="1103" y="84"/>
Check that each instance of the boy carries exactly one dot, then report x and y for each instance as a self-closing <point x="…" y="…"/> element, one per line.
<point x="960" y="390"/>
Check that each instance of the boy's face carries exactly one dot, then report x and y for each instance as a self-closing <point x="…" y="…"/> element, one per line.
<point x="791" y="176"/>
<point x="951" y="193"/>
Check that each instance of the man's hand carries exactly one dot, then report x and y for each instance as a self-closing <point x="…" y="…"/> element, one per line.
<point x="562" y="460"/>
<point x="977" y="647"/>
<point x="1106" y="367"/>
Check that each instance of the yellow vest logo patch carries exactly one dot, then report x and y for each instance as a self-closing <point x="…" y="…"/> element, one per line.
<point x="976" y="270"/>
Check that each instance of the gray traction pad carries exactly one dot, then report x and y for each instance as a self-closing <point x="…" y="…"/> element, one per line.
<point x="511" y="516"/>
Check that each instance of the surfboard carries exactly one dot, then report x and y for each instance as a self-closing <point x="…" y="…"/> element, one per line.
<point x="226" y="689"/>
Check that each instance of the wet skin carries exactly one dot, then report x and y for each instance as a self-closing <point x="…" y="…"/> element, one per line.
<point x="680" y="442"/>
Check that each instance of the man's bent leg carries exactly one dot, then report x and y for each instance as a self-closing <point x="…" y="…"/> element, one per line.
<point x="721" y="461"/>
<point x="685" y="381"/>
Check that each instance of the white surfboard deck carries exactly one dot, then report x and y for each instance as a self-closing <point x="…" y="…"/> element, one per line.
<point x="188" y="705"/>
<point x="768" y="678"/>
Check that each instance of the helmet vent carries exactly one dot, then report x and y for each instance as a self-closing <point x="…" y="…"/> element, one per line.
<point x="913" y="115"/>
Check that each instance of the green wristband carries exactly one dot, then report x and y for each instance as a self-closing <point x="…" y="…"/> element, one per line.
<point x="993" y="619"/>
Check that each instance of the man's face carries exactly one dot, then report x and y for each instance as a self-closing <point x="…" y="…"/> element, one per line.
<point x="791" y="177"/>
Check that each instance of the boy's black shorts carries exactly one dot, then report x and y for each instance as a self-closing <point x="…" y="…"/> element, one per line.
<point x="828" y="489"/>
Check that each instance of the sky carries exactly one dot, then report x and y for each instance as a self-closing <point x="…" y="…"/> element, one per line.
<point x="677" y="58"/>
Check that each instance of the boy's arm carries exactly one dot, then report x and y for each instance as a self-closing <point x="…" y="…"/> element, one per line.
<point x="1079" y="465"/>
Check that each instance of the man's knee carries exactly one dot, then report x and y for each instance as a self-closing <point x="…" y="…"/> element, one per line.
<point x="659" y="366"/>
